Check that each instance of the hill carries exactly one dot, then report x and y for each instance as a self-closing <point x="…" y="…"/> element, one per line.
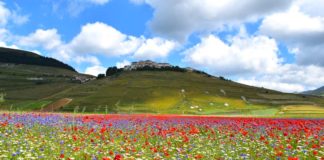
<point x="148" y="87"/>
<point x="144" y="87"/>
<point x="27" y="78"/>
<point x="318" y="91"/>
<point x="15" y="56"/>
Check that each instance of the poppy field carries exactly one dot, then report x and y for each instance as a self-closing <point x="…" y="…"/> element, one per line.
<point x="108" y="137"/>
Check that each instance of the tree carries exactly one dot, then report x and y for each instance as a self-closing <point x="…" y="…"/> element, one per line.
<point x="113" y="70"/>
<point x="222" y="78"/>
<point x="100" y="76"/>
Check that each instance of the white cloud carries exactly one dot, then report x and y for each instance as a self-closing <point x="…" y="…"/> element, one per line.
<point x="100" y="2"/>
<point x="99" y="38"/>
<point x="179" y="19"/>
<point x="311" y="7"/>
<point x="87" y="59"/>
<point x="301" y="28"/>
<point x="269" y="84"/>
<point x="243" y="55"/>
<point x="255" y="59"/>
<point x="19" y="19"/>
<point x="4" y="34"/>
<point x="48" y="39"/>
<point x="289" y="78"/>
<point x="63" y="53"/>
<point x="37" y="52"/>
<point x="3" y="44"/>
<point x="155" y="48"/>
<point x="74" y="7"/>
<point x="95" y="70"/>
<point x="122" y="64"/>
<point x="138" y="2"/>
<point x="7" y="15"/>
<point x="4" y="14"/>
<point x="293" y="26"/>
<point x="5" y="37"/>
<point x="94" y="39"/>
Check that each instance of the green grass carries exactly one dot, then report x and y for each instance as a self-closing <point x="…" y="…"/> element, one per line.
<point x="19" y="88"/>
<point x="301" y="111"/>
<point x="27" y="106"/>
<point x="145" y="92"/>
<point x="160" y="93"/>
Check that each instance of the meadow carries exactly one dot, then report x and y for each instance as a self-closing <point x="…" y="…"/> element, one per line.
<point x="144" y="136"/>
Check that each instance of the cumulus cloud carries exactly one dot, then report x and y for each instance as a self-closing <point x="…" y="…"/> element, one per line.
<point x="155" y="48"/>
<point x="48" y="39"/>
<point x="103" y="39"/>
<point x="301" y="28"/>
<point x="122" y="64"/>
<point x="256" y="60"/>
<point x="100" y="38"/>
<point x="94" y="39"/>
<point x="95" y="70"/>
<point x="294" y="27"/>
<point x="242" y="55"/>
<point x="289" y="78"/>
<point x="179" y="19"/>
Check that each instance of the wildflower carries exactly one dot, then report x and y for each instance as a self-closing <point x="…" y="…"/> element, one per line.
<point x="199" y="156"/>
<point x="315" y="153"/>
<point x="118" y="157"/>
<point x="61" y="155"/>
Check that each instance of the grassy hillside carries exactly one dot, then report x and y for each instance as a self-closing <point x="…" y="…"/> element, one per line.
<point x="26" y="79"/>
<point x="177" y="93"/>
<point x="26" y="86"/>
<point x="167" y="91"/>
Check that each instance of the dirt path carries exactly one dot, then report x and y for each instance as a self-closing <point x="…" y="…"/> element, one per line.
<point x="56" y="105"/>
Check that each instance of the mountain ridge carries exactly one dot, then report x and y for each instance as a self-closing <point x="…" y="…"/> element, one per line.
<point x="319" y="91"/>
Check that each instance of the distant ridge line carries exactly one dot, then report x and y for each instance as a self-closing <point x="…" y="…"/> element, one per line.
<point x="16" y="56"/>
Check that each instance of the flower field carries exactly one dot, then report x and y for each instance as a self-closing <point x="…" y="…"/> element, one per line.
<point x="104" y="137"/>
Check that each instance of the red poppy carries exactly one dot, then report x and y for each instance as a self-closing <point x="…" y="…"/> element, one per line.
<point x="62" y="156"/>
<point x="118" y="157"/>
<point x="315" y="153"/>
<point x="199" y="156"/>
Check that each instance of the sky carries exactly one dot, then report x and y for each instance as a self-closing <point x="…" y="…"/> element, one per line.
<point x="276" y="44"/>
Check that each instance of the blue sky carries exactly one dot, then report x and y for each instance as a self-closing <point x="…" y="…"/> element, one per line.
<point x="272" y="43"/>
